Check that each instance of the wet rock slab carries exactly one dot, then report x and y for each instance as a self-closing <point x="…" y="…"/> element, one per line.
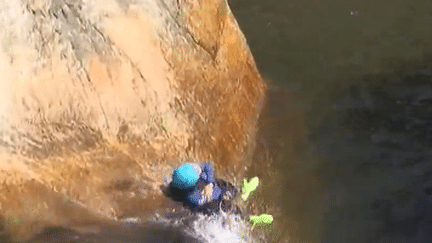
<point x="101" y="99"/>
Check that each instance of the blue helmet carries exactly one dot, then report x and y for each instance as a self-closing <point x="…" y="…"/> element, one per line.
<point x="185" y="177"/>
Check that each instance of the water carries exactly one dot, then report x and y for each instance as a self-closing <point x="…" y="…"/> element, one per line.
<point x="163" y="226"/>
<point x="344" y="150"/>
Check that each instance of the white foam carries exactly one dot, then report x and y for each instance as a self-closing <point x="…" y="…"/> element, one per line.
<point x="221" y="228"/>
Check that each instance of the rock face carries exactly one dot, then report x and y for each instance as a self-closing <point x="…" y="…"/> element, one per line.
<point x="97" y="95"/>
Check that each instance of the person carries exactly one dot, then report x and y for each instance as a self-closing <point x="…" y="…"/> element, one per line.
<point x="195" y="186"/>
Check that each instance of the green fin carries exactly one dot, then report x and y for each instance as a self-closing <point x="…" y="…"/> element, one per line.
<point x="261" y="219"/>
<point x="249" y="187"/>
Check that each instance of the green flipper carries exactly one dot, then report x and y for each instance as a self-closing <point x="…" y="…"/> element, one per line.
<point x="249" y="187"/>
<point x="261" y="219"/>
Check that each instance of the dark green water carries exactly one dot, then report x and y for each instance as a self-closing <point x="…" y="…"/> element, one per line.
<point x="345" y="139"/>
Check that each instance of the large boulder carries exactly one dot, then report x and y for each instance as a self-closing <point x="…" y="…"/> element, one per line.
<point x="97" y="97"/>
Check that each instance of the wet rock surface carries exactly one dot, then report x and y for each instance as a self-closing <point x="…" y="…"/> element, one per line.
<point x="100" y="100"/>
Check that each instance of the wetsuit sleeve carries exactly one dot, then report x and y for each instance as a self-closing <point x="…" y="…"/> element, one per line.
<point x="208" y="177"/>
<point x="216" y="193"/>
<point x="207" y="173"/>
<point x="197" y="199"/>
<point x="194" y="199"/>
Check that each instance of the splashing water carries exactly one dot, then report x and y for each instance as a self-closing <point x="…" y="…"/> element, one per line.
<point x="223" y="227"/>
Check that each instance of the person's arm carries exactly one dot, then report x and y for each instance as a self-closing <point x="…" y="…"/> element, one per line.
<point x="207" y="173"/>
<point x="211" y="191"/>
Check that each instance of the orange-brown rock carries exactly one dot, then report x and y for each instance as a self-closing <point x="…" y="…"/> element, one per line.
<point x="97" y="97"/>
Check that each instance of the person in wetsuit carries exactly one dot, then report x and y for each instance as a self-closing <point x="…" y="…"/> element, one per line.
<point x="195" y="186"/>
